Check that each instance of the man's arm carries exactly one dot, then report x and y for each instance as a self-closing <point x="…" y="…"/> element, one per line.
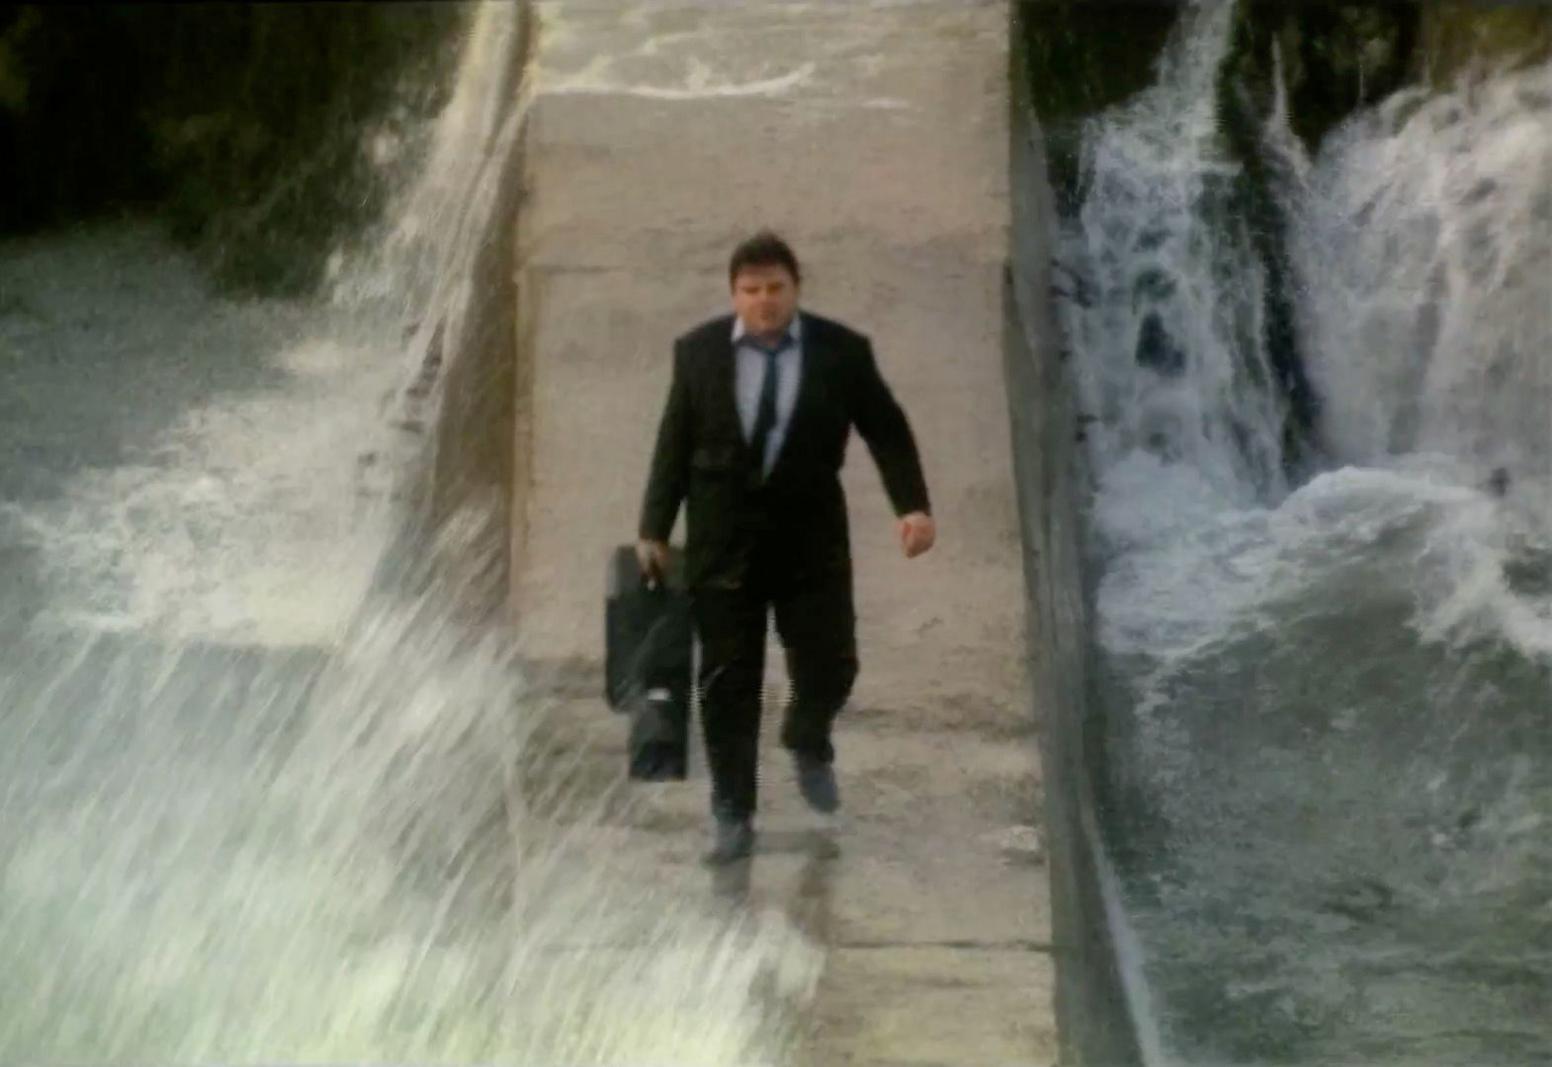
<point x="669" y="476"/>
<point x="883" y="425"/>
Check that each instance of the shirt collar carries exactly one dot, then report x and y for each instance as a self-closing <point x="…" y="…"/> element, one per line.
<point x="794" y="328"/>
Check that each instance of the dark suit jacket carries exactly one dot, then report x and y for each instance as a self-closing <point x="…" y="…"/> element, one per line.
<point x="702" y="458"/>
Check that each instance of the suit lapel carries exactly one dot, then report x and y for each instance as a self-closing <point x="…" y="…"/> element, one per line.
<point x="725" y="384"/>
<point x="809" y="371"/>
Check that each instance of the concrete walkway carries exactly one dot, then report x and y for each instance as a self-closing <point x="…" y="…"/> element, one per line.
<point x="873" y="135"/>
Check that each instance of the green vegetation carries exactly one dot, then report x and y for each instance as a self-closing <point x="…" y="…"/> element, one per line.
<point x="1462" y="38"/>
<point x="250" y="128"/>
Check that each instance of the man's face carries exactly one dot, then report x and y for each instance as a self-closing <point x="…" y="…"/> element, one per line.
<point x="765" y="298"/>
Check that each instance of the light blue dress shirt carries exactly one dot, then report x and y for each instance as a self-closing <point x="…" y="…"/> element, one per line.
<point x="751" y="376"/>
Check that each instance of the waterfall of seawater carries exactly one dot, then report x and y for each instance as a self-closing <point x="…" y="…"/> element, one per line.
<point x="250" y="809"/>
<point x="1328" y="759"/>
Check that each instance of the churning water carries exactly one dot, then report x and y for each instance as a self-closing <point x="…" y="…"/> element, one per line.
<point x="256" y="803"/>
<point x="1328" y="705"/>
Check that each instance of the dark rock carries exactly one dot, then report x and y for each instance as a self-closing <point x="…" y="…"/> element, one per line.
<point x="1336" y="55"/>
<point x="1157" y="349"/>
<point x="1076" y="57"/>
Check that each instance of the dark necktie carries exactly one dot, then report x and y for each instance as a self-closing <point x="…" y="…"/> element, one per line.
<point x="765" y="412"/>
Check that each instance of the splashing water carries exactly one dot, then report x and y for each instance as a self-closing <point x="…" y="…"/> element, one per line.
<point x="361" y="853"/>
<point x="1328" y="759"/>
<point x="1424" y="249"/>
<point x="250" y="809"/>
<point x="1176" y="364"/>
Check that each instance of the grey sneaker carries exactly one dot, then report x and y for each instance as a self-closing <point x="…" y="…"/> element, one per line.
<point x="816" y="781"/>
<point x="731" y="839"/>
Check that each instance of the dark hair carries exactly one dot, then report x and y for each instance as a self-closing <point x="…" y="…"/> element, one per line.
<point x="764" y="249"/>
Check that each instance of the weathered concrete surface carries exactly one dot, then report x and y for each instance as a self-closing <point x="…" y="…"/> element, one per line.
<point x="1101" y="1013"/>
<point x="874" y="136"/>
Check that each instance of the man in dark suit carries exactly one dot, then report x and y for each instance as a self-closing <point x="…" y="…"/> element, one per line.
<point x="752" y="440"/>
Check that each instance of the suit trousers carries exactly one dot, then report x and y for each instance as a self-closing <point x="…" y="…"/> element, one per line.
<point x="816" y="622"/>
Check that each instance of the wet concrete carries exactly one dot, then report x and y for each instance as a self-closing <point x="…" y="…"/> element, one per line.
<point x="874" y="135"/>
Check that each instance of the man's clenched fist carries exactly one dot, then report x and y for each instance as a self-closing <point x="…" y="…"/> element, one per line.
<point x="917" y="533"/>
<point x="652" y="557"/>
